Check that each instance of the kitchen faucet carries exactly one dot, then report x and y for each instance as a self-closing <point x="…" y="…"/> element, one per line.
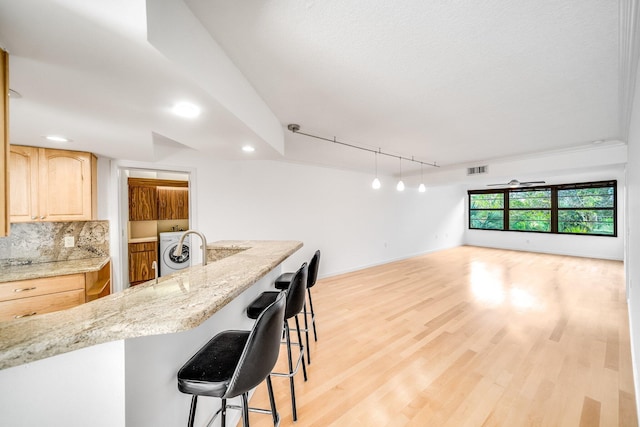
<point x="178" y="251"/>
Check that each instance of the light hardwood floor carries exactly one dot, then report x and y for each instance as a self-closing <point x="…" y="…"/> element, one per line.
<point x="467" y="337"/>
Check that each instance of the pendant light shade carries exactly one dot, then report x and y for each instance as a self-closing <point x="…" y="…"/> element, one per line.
<point x="400" y="186"/>
<point x="422" y="187"/>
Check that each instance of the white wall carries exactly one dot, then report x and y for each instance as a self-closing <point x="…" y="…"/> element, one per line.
<point x="594" y="162"/>
<point x="82" y="388"/>
<point x="633" y="235"/>
<point x="332" y="210"/>
<point x="584" y="246"/>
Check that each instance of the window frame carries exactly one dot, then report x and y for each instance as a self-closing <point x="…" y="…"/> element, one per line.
<point x="506" y="192"/>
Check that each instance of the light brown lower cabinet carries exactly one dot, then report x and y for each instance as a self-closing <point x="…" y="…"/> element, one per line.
<point x="24" y="298"/>
<point x="141" y="258"/>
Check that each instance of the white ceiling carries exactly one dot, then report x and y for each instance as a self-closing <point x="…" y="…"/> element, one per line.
<point x="446" y="82"/>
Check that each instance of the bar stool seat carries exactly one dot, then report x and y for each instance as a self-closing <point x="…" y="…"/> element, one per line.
<point x="232" y="363"/>
<point x="208" y="373"/>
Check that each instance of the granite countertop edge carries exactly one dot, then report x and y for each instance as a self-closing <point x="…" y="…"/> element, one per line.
<point x="176" y="303"/>
<point x="40" y="270"/>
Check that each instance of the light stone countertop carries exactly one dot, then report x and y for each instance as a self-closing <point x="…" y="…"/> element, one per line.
<point x="49" y="269"/>
<point x="176" y="303"/>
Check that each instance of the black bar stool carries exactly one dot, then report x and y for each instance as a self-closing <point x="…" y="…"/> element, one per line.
<point x="295" y="302"/>
<point x="282" y="282"/>
<point x="234" y="362"/>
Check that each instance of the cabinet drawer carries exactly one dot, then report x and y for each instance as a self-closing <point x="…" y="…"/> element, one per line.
<point x="35" y="287"/>
<point x="142" y="247"/>
<point x="25" y="307"/>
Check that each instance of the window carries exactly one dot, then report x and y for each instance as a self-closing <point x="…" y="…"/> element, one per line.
<point x="587" y="210"/>
<point x="487" y="211"/>
<point x="584" y="208"/>
<point x="530" y="210"/>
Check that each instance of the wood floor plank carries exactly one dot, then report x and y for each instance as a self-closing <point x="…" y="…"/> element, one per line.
<point x="467" y="337"/>
<point x="590" y="413"/>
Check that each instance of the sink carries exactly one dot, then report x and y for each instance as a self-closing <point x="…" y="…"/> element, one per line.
<point x="216" y="254"/>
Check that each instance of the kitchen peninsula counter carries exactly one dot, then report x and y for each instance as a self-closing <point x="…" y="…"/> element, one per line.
<point x="176" y="303"/>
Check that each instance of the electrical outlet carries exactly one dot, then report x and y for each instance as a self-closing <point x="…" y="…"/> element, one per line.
<point x="69" y="241"/>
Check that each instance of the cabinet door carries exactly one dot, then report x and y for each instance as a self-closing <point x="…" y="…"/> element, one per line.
<point x="65" y="186"/>
<point x="143" y="203"/>
<point x="141" y="257"/>
<point x="23" y="183"/>
<point x="173" y="203"/>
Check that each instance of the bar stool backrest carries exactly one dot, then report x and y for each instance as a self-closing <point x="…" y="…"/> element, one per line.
<point x="313" y="269"/>
<point x="261" y="350"/>
<point x="296" y="292"/>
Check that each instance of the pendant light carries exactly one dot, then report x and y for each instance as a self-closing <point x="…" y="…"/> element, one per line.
<point x="400" y="186"/>
<point x="422" y="187"/>
<point x="376" y="182"/>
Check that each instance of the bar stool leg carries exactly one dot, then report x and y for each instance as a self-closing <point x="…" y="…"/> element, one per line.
<point x="313" y="315"/>
<point x="291" y="384"/>
<point x="306" y="332"/>
<point x="304" y="367"/>
<point x="192" y="410"/>
<point x="223" y="413"/>
<point x="272" y="401"/>
<point x="245" y="409"/>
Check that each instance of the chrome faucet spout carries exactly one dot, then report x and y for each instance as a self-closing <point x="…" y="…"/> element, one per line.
<point x="154" y="265"/>
<point x="178" y="251"/>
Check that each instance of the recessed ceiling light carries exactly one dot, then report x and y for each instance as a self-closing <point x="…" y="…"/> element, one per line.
<point x="248" y="149"/>
<point x="57" y="138"/>
<point x="186" y="110"/>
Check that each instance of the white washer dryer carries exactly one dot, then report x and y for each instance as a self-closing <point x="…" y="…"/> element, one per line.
<point x="169" y="262"/>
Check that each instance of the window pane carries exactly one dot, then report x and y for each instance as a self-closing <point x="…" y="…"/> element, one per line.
<point x="487" y="220"/>
<point x="586" y="221"/>
<point x="586" y="198"/>
<point x="487" y="201"/>
<point x="530" y="199"/>
<point x="530" y="220"/>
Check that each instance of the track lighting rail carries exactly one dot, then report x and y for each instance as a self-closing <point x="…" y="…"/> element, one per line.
<point x="296" y="129"/>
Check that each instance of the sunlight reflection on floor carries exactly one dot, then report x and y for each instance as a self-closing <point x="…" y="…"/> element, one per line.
<point x="490" y="286"/>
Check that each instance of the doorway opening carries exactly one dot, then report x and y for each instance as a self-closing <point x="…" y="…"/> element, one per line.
<point x="151" y="200"/>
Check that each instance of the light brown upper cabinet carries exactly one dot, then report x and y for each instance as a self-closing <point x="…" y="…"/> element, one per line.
<point x="153" y="199"/>
<point x="4" y="143"/>
<point x="52" y="185"/>
<point x="143" y="203"/>
<point x="173" y="203"/>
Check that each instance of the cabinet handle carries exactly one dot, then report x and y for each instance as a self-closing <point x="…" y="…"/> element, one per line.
<point x="24" y="315"/>
<point x="34" y="217"/>
<point x="24" y="289"/>
<point x="43" y="217"/>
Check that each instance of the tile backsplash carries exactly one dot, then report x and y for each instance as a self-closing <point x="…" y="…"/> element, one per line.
<point x="36" y="242"/>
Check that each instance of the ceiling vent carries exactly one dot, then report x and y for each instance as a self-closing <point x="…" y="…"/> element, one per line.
<point x="477" y="169"/>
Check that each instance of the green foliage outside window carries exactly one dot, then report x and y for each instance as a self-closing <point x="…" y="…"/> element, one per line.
<point x="530" y="220"/>
<point x="487" y="220"/>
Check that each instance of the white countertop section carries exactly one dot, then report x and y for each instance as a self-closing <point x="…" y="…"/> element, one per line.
<point x="178" y="302"/>
<point x="143" y="239"/>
